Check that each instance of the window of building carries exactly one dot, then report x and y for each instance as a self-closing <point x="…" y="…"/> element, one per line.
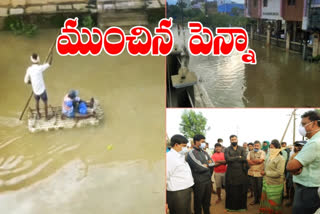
<point x="265" y="3"/>
<point x="291" y="2"/>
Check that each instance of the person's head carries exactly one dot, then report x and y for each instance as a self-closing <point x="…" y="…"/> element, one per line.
<point x="199" y="140"/>
<point x="275" y="144"/>
<point x="207" y="145"/>
<point x="298" y="146"/>
<point x="233" y="140"/>
<point x="220" y="140"/>
<point x="218" y="147"/>
<point x="178" y="142"/>
<point x="35" y="59"/>
<point x="310" y="124"/>
<point x="265" y="143"/>
<point x="283" y="144"/>
<point x="250" y="146"/>
<point x="73" y="94"/>
<point x="245" y="145"/>
<point x="256" y="146"/>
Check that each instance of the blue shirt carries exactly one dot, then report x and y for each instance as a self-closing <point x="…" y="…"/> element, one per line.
<point x="309" y="157"/>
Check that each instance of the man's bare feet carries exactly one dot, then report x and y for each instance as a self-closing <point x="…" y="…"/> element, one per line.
<point x="38" y="116"/>
<point x="218" y="200"/>
<point x="48" y="117"/>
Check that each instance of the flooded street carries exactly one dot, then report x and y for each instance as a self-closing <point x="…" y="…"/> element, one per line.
<point x="72" y="171"/>
<point x="280" y="79"/>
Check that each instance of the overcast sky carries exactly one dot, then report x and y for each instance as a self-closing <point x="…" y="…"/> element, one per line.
<point x="248" y="124"/>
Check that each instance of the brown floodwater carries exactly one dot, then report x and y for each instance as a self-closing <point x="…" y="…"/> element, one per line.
<point x="279" y="79"/>
<point x="72" y="171"/>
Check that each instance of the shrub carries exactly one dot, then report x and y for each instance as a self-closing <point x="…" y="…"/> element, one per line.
<point x="18" y="26"/>
<point x="87" y="22"/>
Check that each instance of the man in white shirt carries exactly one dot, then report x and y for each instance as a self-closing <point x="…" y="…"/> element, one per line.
<point x="34" y="77"/>
<point x="179" y="177"/>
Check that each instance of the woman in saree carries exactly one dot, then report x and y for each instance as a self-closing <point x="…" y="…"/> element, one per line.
<point x="273" y="180"/>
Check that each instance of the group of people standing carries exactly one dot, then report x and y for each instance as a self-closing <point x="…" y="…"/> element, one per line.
<point x="268" y="170"/>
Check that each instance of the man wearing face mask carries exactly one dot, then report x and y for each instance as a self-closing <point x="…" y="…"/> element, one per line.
<point x="179" y="177"/>
<point x="305" y="166"/>
<point x="256" y="161"/>
<point x="201" y="166"/>
<point x="236" y="176"/>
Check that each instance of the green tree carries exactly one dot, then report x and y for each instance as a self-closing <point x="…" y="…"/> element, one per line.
<point x="236" y="11"/>
<point x="193" y="123"/>
<point x="181" y="4"/>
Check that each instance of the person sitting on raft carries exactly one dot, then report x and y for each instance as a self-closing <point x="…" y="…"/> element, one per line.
<point x="74" y="107"/>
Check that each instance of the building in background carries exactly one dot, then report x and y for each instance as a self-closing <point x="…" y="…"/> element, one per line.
<point x="311" y="23"/>
<point x="231" y="9"/>
<point x="286" y="23"/>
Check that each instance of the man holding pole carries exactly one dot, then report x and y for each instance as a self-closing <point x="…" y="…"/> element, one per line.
<point x="34" y="77"/>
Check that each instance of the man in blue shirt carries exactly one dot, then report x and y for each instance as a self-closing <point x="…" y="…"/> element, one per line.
<point x="74" y="107"/>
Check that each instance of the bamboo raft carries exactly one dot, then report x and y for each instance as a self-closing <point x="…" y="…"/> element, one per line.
<point x="56" y="122"/>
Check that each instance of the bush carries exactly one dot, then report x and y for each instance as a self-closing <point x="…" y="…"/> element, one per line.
<point x="57" y="20"/>
<point x="18" y="26"/>
<point x="87" y="22"/>
<point x="316" y="58"/>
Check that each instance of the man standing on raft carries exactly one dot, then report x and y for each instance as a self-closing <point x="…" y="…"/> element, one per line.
<point x="34" y="77"/>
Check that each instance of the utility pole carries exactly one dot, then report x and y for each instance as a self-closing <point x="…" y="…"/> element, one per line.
<point x="285" y="131"/>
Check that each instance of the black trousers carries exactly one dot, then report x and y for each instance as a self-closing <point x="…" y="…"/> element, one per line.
<point x="257" y="188"/>
<point x="179" y="202"/>
<point x="202" y="197"/>
<point x="236" y="196"/>
<point x="306" y="200"/>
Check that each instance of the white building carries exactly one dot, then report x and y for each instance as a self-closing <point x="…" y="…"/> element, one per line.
<point x="271" y="9"/>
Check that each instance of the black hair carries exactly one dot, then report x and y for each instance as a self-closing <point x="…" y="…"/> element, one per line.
<point x="284" y="143"/>
<point x="250" y="144"/>
<point x="276" y="143"/>
<point x="297" y="143"/>
<point x="231" y="136"/>
<point x="207" y="143"/>
<point x="178" y="139"/>
<point x="257" y="142"/>
<point x="313" y="116"/>
<point x="72" y="95"/>
<point x="34" y="56"/>
<point x="217" y="145"/>
<point x="220" y="140"/>
<point x="198" y="137"/>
